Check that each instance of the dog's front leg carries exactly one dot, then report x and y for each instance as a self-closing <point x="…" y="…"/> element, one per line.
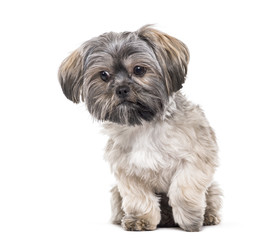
<point x="187" y="197"/>
<point x="140" y="204"/>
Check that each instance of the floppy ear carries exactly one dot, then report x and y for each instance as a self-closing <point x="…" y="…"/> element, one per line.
<point x="70" y="76"/>
<point x="172" y="54"/>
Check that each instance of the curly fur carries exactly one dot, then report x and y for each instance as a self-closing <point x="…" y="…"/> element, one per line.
<point x="174" y="155"/>
<point x="161" y="147"/>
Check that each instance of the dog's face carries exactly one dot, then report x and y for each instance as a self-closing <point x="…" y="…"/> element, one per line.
<point x="125" y="78"/>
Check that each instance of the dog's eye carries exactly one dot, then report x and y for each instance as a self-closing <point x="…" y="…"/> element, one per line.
<point x="105" y="76"/>
<point x="139" y="71"/>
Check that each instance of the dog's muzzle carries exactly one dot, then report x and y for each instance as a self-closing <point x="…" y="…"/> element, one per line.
<point x="123" y="91"/>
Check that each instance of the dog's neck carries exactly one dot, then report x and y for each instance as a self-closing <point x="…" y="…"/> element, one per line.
<point x="176" y="105"/>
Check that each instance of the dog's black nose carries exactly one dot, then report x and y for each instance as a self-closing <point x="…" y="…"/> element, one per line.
<point x="122" y="91"/>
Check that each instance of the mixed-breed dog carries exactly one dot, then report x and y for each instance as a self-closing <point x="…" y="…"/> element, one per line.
<point x="161" y="147"/>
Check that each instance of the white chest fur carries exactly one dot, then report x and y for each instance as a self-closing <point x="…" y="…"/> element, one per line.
<point x="146" y="151"/>
<point x="155" y="150"/>
<point x="148" y="147"/>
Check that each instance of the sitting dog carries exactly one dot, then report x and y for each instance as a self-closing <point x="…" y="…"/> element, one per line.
<point x="161" y="149"/>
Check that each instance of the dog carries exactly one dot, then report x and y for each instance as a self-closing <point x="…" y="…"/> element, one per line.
<point x="161" y="148"/>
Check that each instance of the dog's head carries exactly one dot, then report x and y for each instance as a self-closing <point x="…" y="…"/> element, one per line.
<point x="126" y="78"/>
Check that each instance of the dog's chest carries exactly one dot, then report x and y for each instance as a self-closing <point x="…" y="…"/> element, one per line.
<point x="151" y="153"/>
<point x="146" y="152"/>
<point x="147" y="148"/>
<point x="150" y="148"/>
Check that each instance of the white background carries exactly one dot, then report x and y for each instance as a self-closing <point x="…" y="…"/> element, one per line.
<point x="54" y="183"/>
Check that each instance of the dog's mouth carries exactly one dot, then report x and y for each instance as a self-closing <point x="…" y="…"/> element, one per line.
<point x="130" y="113"/>
<point x="125" y="103"/>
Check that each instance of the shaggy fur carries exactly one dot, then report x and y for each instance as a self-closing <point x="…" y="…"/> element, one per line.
<point x="161" y="150"/>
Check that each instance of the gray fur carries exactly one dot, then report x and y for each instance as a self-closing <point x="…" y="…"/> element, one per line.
<point x="161" y="147"/>
<point x="211" y="216"/>
<point x="118" y="53"/>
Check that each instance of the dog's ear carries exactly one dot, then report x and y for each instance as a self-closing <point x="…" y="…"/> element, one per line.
<point x="172" y="54"/>
<point x="70" y="76"/>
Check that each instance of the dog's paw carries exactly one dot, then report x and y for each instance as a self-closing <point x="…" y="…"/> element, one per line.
<point x="210" y="219"/>
<point x="192" y="227"/>
<point x="131" y="223"/>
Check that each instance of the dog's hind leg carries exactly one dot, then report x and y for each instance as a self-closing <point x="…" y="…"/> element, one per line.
<point x="116" y="206"/>
<point x="214" y="203"/>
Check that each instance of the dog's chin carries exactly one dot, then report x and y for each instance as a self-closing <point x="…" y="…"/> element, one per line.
<point x="131" y="113"/>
